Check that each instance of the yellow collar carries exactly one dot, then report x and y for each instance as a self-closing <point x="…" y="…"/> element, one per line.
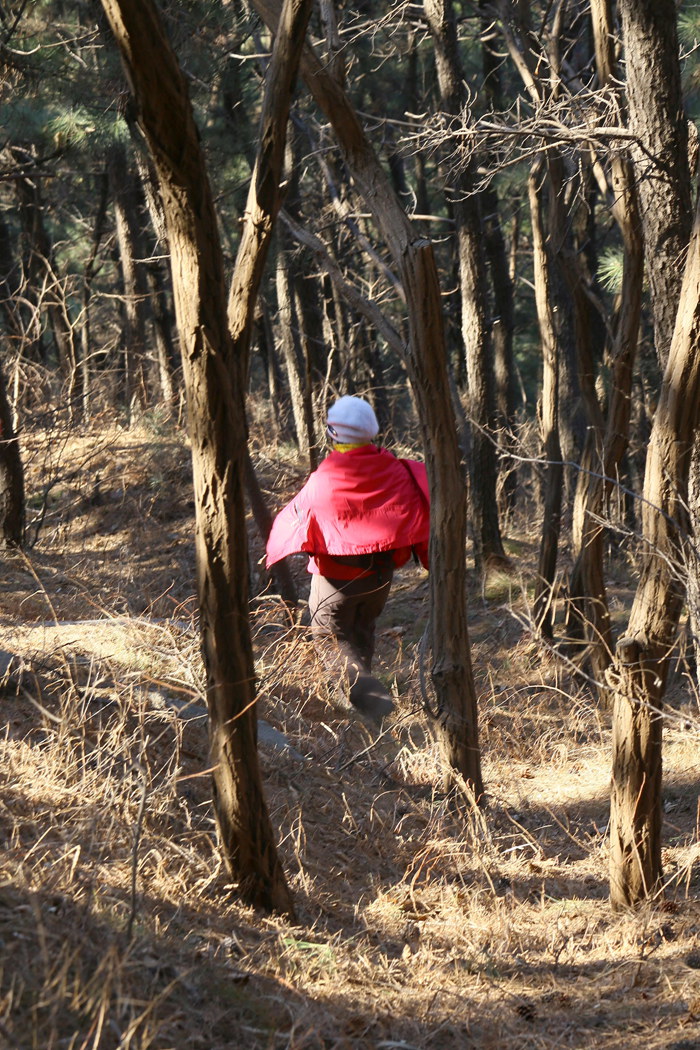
<point x="348" y="448"/>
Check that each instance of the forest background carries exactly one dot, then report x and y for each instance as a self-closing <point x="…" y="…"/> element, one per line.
<point x="480" y="216"/>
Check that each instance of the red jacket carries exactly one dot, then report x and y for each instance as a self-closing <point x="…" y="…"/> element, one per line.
<point x="357" y="502"/>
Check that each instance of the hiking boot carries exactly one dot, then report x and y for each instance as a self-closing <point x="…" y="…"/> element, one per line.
<point x="370" y="697"/>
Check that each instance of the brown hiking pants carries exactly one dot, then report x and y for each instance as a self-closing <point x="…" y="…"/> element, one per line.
<point x="343" y="618"/>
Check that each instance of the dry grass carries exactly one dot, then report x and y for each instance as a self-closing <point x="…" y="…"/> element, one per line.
<point x="422" y="923"/>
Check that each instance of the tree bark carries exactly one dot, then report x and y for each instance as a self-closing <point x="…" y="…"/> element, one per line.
<point x="10" y="291"/>
<point x="650" y="35"/>
<point x="641" y="661"/>
<point x="215" y="366"/>
<point x="12" y="502"/>
<point x="659" y="151"/>
<point x="334" y="44"/>
<point x="553" y="468"/>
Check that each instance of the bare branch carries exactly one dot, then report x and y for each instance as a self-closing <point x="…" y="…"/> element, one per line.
<point x="365" y="306"/>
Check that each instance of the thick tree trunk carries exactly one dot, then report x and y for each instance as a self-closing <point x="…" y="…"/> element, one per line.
<point x="641" y="664"/>
<point x="488" y="544"/>
<point x="650" y="36"/>
<point x="307" y="294"/>
<point x="215" y="366"/>
<point x="642" y="656"/>
<point x="572" y="435"/>
<point x="425" y="358"/>
<point x="544" y="88"/>
<point x="451" y="670"/>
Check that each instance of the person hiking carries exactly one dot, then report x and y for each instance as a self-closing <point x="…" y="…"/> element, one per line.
<point x="360" y="515"/>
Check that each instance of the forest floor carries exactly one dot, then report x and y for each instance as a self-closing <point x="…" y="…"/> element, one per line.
<point x="420" y="922"/>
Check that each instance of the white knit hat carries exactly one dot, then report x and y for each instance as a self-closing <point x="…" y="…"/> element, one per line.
<point x="352" y="420"/>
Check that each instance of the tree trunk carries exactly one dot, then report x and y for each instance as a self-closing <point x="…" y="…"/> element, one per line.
<point x="297" y="378"/>
<point x="10" y="291"/>
<point x="465" y="208"/>
<point x="641" y="662"/>
<point x="642" y="657"/>
<point x="166" y="354"/>
<point x="134" y="284"/>
<point x="88" y="277"/>
<point x="264" y="195"/>
<point x="334" y="46"/>
<point x="333" y="326"/>
<point x="415" y="99"/>
<point x="553" y="470"/>
<point x="413" y="257"/>
<point x="545" y="88"/>
<point x="581" y="327"/>
<point x="589" y="613"/>
<point x="501" y="283"/>
<point x="12" y="503"/>
<point x="502" y="338"/>
<point x="650" y="35"/>
<point x="47" y="285"/>
<point x="659" y="151"/>
<point x="278" y="395"/>
<point x="215" y="366"/>
<point x="284" y="581"/>
<point x="374" y="373"/>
